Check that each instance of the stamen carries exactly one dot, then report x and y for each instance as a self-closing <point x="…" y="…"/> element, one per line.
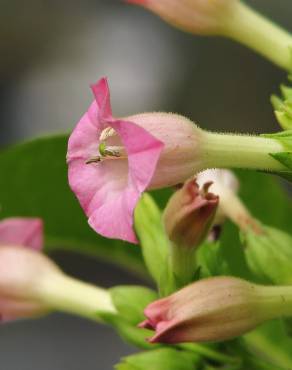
<point x="106" y="133"/>
<point x="93" y="160"/>
<point x="110" y="152"/>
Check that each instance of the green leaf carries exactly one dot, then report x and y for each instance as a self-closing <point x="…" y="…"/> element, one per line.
<point x="266" y="198"/>
<point x="150" y="231"/>
<point x="160" y="359"/>
<point x="130" y="301"/>
<point x="34" y="183"/>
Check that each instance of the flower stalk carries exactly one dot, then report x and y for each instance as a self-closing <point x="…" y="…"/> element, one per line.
<point x="66" y="294"/>
<point x="253" y="30"/>
<point x="240" y="151"/>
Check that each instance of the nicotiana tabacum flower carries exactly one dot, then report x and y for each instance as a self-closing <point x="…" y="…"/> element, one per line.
<point x="31" y="284"/>
<point x="215" y="309"/>
<point x="112" y="161"/>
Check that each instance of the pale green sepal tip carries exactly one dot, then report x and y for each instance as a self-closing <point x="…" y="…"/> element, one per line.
<point x="286" y="91"/>
<point x="284" y="120"/>
<point x="277" y="102"/>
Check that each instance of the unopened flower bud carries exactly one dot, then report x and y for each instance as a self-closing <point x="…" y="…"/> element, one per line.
<point x="187" y="218"/>
<point x="205" y="17"/>
<point x="215" y="309"/>
<point x="189" y="214"/>
<point x="229" y="18"/>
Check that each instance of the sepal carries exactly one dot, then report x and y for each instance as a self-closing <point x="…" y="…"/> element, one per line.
<point x="130" y="301"/>
<point x="283" y="107"/>
<point x="284" y="158"/>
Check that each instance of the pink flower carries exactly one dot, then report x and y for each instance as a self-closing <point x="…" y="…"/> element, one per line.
<point x="213" y="309"/>
<point x="16" y="233"/>
<point x="204" y="17"/>
<point x="112" y="161"/>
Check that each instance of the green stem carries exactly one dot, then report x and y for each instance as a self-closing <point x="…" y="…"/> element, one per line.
<point x="182" y="265"/>
<point x="277" y="300"/>
<point x="70" y="295"/>
<point x="240" y="151"/>
<point x="250" y="28"/>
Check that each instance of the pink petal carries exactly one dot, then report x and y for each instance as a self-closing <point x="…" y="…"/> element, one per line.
<point x="102" y="97"/>
<point x="108" y="191"/>
<point x="26" y="232"/>
<point x="114" y="218"/>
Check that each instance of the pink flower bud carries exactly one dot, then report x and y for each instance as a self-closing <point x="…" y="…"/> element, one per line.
<point x="112" y="161"/>
<point x="189" y="214"/>
<point x="17" y="236"/>
<point x="214" y="309"/>
<point x="204" y="17"/>
<point x="31" y="284"/>
<point x="22" y="271"/>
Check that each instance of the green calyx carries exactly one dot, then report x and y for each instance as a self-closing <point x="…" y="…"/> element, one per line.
<point x="130" y="302"/>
